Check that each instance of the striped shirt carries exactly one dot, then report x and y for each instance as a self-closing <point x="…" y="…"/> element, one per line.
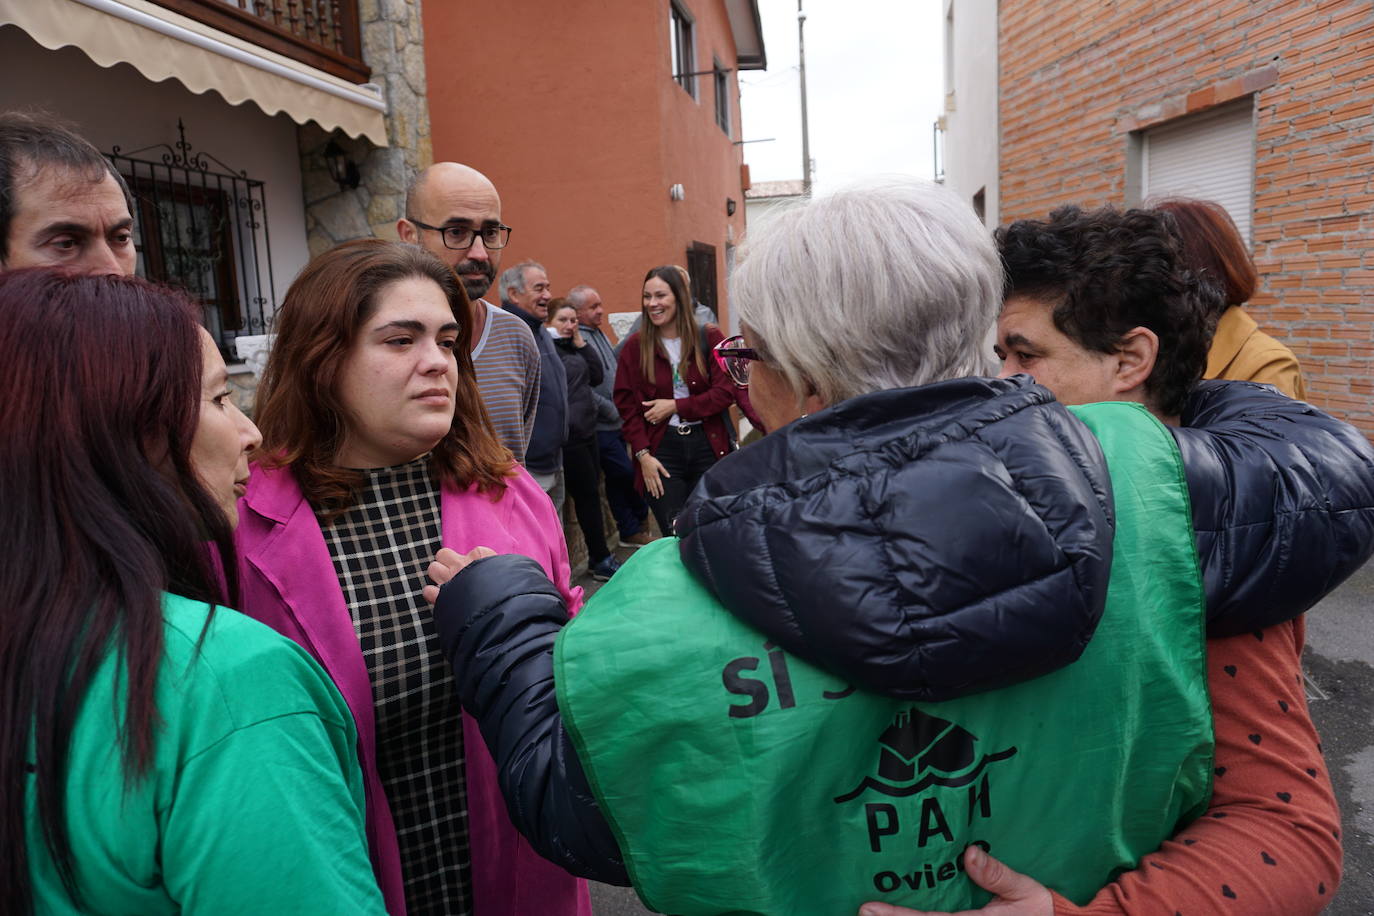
<point x="506" y="360"/>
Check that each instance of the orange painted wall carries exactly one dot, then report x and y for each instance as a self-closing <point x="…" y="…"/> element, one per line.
<point x="584" y="130"/>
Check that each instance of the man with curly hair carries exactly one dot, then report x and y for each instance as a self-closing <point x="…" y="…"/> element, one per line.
<point x="1098" y="305"/>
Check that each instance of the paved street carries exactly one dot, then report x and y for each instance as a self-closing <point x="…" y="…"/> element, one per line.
<point x="1340" y="669"/>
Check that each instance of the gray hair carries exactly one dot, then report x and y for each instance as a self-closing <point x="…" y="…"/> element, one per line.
<point x="578" y="294"/>
<point x="514" y="277"/>
<point x="888" y="284"/>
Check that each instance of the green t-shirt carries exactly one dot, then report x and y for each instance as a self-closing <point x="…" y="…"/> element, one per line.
<point x="253" y="802"/>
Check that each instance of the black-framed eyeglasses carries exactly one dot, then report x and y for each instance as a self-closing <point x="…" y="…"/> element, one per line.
<point x="736" y="359"/>
<point x="460" y="238"/>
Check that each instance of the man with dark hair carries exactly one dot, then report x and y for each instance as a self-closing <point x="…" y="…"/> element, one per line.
<point x="62" y="204"/>
<point x="1099" y="306"/>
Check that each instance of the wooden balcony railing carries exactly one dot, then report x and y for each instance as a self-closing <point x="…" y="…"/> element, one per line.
<point x="319" y="33"/>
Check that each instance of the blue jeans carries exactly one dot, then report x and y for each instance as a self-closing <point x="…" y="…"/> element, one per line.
<point x="627" y="506"/>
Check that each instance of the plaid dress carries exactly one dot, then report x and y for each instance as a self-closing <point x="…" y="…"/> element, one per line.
<point x="380" y="549"/>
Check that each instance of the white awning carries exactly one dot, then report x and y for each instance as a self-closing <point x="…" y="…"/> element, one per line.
<point x="747" y="28"/>
<point x="162" y="44"/>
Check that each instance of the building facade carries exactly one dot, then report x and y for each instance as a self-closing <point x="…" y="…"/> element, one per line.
<point x="219" y="116"/>
<point x="968" y="126"/>
<point x="1263" y="106"/>
<point x="610" y="129"/>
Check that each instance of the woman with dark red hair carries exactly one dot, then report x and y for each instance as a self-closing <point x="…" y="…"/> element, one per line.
<point x="158" y="754"/>
<point x="376" y="452"/>
<point x="1240" y="351"/>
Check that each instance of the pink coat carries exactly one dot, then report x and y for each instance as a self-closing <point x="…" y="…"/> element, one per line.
<point x="288" y="582"/>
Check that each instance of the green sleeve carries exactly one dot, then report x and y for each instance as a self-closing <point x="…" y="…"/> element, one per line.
<point x="270" y="819"/>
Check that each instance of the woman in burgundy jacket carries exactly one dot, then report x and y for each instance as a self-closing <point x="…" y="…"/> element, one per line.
<point x="672" y="396"/>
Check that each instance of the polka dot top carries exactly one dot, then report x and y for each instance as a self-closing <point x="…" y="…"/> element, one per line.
<point x="1270" y="843"/>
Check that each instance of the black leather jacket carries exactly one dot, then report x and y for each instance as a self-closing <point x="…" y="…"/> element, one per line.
<point x="965" y="527"/>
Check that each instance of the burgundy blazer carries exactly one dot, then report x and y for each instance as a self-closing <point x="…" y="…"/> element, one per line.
<point x="709" y="397"/>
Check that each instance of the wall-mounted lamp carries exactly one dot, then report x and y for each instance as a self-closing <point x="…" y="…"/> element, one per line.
<point x="677" y="192"/>
<point x="341" y="168"/>
<point x="729" y="206"/>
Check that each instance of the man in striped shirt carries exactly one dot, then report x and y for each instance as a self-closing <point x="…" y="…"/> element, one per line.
<point x="454" y="212"/>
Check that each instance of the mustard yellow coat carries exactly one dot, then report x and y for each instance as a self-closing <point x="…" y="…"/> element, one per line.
<point x="1242" y="352"/>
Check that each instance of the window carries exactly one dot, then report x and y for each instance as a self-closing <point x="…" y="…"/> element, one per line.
<point x="721" y="78"/>
<point x="205" y="231"/>
<point x="184" y="236"/>
<point x="937" y="142"/>
<point x="683" y="47"/>
<point x="701" y="267"/>
<point x="1210" y="156"/>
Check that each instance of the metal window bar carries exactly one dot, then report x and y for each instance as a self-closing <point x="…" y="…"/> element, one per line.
<point x="205" y="231"/>
<point x="317" y="21"/>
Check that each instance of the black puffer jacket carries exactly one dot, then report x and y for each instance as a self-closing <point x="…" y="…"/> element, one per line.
<point x="961" y="532"/>
<point x="584" y="373"/>
<point x="1281" y="502"/>
<point x="913" y="510"/>
<point x="1283" y="508"/>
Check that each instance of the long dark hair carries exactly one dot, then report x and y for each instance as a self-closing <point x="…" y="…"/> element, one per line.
<point x="103" y="513"/>
<point x="302" y="420"/>
<point x="685" y="320"/>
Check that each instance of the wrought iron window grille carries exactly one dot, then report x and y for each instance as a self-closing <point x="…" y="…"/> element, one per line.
<point x="201" y="225"/>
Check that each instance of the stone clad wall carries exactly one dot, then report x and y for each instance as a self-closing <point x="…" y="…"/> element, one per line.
<point x="393" y="46"/>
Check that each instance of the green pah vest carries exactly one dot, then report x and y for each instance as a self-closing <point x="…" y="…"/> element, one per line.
<point x="739" y="779"/>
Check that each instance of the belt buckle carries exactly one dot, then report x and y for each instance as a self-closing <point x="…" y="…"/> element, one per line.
<point x="683" y="429"/>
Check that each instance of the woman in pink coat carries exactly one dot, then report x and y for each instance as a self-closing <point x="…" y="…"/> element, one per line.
<point x="377" y="452"/>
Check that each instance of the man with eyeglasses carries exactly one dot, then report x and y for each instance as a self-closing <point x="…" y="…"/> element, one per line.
<point x="454" y="213"/>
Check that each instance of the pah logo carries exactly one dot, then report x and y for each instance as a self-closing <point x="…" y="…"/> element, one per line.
<point x="918" y="751"/>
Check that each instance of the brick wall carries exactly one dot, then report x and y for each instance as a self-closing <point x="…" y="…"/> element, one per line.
<point x="1078" y="78"/>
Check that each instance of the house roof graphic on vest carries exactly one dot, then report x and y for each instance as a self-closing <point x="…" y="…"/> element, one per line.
<point x="918" y="751"/>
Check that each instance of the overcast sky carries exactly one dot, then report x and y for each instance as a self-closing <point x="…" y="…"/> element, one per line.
<point x="873" y="83"/>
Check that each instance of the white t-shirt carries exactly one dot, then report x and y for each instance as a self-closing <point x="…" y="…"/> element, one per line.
<point x="674" y="350"/>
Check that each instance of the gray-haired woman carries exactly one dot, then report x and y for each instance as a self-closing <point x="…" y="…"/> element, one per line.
<point x="855" y="662"/>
